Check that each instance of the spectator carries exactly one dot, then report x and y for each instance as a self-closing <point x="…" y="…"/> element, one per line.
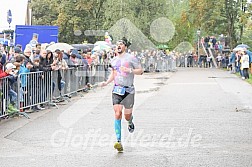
<point x="89" y="59"/>
<point x="3" y="73"/>
<point x="250" y="58"/>
<point x="46" y="65"/>
<point x="232" y="61"/>
<point x="37" y="85"/>
<point x="28" y="55"/>
<point x="19" y="46"/>
<point x="206" y="41"/>
<point x="60" y="64"/>
<point x="12" y="78"/>
<point x="74" y="61"/>
<point x="46" y="60"/>
<point x="17" y="52"/>
<point x="219" y="58"/>
<point x="245" y="64"/>
<point x="23" y="71"/>
<point x="85" y="69"/>
<point x="220" y="47"/>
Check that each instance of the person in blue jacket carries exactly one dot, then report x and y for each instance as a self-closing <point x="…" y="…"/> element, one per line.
<point x="232" y="61"/>
<point x="23" y="71"/>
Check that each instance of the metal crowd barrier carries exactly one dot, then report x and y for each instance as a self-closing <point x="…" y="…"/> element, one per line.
<point x="9" y="97"/>
<point x="4" y="94"/>
<point x="64" y="82"/>
<point x="158" y="64"/>
<point x="34" y="88"/>
<point x="75" y="79"/>
<point x="82" y="77"/>
<point x="99" y="73"/>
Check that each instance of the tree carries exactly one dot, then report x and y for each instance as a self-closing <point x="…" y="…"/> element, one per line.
<point x="211" y="17"/>
<point x="44" y="12"/>
<point x="219" y="17"/>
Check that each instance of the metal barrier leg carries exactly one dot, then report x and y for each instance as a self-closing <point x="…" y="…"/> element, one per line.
<point x="51" y="87"/>
<point x="24" y="114"/>
<point x="19" y="94"/>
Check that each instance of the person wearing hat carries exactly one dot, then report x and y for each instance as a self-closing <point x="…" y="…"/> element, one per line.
<point x="9" y="66"/>
<point x="6" y="72"/>
<point x="16" y="52"/>
<point x="124" y="67"/>
<point x="12" y="78"/>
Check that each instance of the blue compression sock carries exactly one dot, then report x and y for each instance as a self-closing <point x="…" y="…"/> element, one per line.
<point x="118" y="129"/>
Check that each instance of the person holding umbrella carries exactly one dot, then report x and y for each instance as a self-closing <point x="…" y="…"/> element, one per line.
<point x="245" y="48"/>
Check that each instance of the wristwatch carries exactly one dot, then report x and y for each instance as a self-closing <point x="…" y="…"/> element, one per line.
<point x="130" y="70"/>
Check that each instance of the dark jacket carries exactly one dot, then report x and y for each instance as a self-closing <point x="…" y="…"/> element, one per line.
<point x="45" y="63"/>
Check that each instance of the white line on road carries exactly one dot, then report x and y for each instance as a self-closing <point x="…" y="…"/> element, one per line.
<point x="194" y="83"/>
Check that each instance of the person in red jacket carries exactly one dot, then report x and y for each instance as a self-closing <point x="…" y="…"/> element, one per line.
<point x="4" y="73"/>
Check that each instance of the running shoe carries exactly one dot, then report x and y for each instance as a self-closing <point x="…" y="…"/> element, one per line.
<point x="131" y="127"/>
<point x="118" y="146"/>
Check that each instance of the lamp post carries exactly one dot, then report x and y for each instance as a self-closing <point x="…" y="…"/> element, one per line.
<point x="198" y="45"/>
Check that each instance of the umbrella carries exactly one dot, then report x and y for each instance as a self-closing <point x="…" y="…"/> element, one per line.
<point x="101" y="47"/>
<point x="80" y="46"/>
<point x="238" y="49"/>
<point x="242" y="46"/>
<point x="83" y="46"/>
<point x="74" y="51"/>
<point x="61" y="46"/>
<point x="90" y="45"/>
<point x="101" y="43"/>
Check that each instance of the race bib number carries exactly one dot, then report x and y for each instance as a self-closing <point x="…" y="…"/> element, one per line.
<point x="119" y="90"/>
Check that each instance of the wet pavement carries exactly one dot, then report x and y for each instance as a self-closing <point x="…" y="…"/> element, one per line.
<point x="192" y="117"/>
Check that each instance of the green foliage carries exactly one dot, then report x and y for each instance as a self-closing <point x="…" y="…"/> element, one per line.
<point x="247" y="36"/>
<point x="212" y="17"/>
<point x="8" y="31"/>
<point x="220" y="17"/>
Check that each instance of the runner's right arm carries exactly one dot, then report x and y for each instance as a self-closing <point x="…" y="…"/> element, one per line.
<point x="110" y="79"/>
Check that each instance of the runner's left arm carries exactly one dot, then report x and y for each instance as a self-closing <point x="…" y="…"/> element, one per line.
<point x="137" y="68"/>
<point x="137" y="71"/>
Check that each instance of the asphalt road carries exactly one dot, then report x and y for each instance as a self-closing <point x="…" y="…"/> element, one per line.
<point x="192" y="117"/>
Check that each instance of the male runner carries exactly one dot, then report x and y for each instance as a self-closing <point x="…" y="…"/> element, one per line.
<point x="124" y="67"/>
